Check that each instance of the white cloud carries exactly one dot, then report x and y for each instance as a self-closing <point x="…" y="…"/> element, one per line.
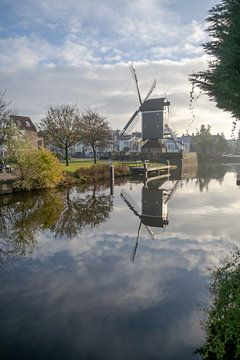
<point x="87" y="62"/>
<point x="110" y="89"/>
<point x="23" y="52"/>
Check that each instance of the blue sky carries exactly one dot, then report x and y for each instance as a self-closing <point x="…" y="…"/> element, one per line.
<point x="56" y="52"/>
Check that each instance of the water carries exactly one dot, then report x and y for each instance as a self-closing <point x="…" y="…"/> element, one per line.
<point x="77" y="282"/>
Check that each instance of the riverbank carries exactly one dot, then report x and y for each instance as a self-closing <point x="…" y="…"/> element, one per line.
<point x="79" y="172"/>
<point x="87" y="173"/>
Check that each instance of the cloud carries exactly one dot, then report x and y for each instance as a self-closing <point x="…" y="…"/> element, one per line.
<point x="68" y="53"/>
<point x="111" y="90"/>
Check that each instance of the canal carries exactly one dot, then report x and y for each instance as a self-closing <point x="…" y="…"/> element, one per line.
<point x="89" y="275"/>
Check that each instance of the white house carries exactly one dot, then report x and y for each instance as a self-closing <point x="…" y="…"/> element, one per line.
<point x="186" y="140"/>
<point x="130" y="143"/>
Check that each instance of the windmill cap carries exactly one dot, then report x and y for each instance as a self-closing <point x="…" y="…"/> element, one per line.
<point x="154" y="104"/>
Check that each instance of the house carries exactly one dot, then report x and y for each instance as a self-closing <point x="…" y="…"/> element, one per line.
<point x="27" y="130"/>
<point x="131" y="143"/>
<point x="185" y="140"/>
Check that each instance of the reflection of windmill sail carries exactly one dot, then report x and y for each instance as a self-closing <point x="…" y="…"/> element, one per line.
<point x="135" y="209"/>
<point x="136" y="243"/>
<point x="172" y="191"/>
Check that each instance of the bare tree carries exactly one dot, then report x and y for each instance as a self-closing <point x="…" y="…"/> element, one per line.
<point x="61" y="127"/>
<point x="95" y="131"/>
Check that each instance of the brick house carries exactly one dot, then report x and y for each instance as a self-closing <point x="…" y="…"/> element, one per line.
<point x="27" y="129"/>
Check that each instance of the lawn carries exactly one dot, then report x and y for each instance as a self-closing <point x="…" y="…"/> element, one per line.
<point x="76" y="164"/>
<point x="83" y="163"/>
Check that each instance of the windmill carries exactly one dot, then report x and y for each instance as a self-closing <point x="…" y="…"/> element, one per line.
<point x="154" y="116"/>
<point x="153" y="211"/>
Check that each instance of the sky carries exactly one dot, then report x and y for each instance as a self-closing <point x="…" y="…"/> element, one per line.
<point x="57" y="52"/>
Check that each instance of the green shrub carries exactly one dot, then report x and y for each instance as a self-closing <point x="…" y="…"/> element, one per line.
<point x="38" y="169"/>
<point x="223" y="324"/>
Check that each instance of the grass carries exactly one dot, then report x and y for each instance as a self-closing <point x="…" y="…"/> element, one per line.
<point x="76" y="164"/>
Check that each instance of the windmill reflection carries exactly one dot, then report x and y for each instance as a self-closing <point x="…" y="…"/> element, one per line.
<point x="154" y="207"/>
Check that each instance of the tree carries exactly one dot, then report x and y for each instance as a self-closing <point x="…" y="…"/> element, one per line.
<point x="38" y="169"/>
<point x="206" y="144"/>
<point x="221" y="81"/>
<point x="222" y="326"/>
<point x="61" y="127"/>
<point x="95" y="131"/>
<point x="6" y="126"/>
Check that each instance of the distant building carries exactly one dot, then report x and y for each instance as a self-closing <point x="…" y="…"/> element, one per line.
<point x="27" y="130"/>
<point x="131" y="143"/>
<point x="185" y="140"/>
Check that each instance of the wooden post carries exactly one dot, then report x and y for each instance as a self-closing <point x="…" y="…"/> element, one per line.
<point x="111" y="179"/>
<point x="181" y="168"/>
<point x="168" y="169"/>
<point x="145" y="170"/>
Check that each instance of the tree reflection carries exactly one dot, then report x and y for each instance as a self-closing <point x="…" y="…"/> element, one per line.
<point x="21" y="217"/>
<point x="81" y="210"/>
<point x="223" y="324"/>
<point x="208" y="171"/>
<point x="66" y="213"/>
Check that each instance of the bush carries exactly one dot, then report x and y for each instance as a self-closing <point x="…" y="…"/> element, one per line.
<point x="223" y="324"/>
<point x="38" y="169"/>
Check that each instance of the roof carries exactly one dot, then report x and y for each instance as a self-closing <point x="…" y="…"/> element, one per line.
<point x="24" y="122"/>
<point x="154" y="104"/>
<point x="153" y="143"/>
<point x="125" y="137"/>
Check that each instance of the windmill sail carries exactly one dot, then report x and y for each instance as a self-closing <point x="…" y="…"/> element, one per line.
<point x="134" y="75"/>
<point x="130" y="121"/>
<point x="150" y="90"/>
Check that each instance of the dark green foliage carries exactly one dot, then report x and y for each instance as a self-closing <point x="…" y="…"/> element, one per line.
<point x="221" y="81"/>
<point x="6" y="126"/>
<point x="223" y="324"/>
<point x="207" y="145"/>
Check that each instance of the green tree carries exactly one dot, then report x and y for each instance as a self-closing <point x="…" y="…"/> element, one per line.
<point x="206" y="144"/>
<point x="7" y="128"/>
<point x="95" y="131"/>
<point x="61" y="128"/>
<point x="38" y="169"/>
<point x="221" y="81"/>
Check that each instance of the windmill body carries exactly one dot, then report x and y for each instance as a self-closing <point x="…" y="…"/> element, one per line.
<point x="154" y="115"/>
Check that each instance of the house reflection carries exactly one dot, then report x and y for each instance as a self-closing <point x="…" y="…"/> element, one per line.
<point x="154" y="206"/>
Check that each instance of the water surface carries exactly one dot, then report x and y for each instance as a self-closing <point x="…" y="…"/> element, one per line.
<point x="87" y="275"/>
